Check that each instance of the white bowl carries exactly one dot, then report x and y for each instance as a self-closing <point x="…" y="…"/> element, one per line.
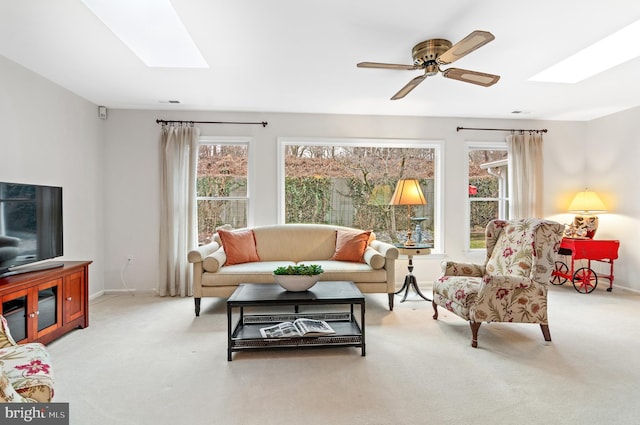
<point x="296" y="283"/>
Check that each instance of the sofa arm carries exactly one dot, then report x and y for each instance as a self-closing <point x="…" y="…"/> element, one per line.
<point x="386" y="249"/>
<point x="453" y="268"/>
<point x="374" y="258"/>
<point x="215" y="260"/>
<point x="200" y="253"/>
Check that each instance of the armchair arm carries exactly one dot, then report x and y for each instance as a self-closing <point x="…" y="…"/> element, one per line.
<point x="7" y="393"/>
<point x="5" y="335"/>
<point x="28" y="370"/>
<point x="200" y="253"/>
<point x="454" y="268"/>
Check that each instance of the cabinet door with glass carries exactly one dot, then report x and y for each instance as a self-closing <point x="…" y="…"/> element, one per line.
<point x="33" y="312"/>
<point x="47" y="314"/>
<point x="15" y="311"/>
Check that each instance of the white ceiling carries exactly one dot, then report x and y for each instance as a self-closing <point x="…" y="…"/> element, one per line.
<point x="301" y="55"/>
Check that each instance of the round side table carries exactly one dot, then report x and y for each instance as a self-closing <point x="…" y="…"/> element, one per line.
<point x="410" y="280"/>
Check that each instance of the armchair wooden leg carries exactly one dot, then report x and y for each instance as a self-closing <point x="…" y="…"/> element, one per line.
<point x="474" y="332"/>
<point x="391" y="297"/>
<point x="435" y="310"/>
<point x="545" y="332"/>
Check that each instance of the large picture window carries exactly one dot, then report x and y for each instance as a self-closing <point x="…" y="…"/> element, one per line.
<point x="222" y="187"/>
<point x="350" y="183"/>
<point x="488" y="189"/>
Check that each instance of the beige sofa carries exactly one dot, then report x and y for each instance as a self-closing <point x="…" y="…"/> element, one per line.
<point x="289" y="244"/>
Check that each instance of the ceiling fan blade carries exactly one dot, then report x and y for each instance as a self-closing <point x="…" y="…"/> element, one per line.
<point x="473" y="77"/>
<point x="465" y="46"/>
<point x="410" y="86"/>
<point x="387" y="66"/>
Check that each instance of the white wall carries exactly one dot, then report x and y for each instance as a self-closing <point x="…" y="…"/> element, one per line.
<point x="110" y="170"/>
<point x="132" y="170"/>
<point x="52" y="137"/>
<point x="613" y="171"/>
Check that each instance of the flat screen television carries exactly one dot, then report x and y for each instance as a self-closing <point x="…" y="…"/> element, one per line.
<point x="30" y="227"/>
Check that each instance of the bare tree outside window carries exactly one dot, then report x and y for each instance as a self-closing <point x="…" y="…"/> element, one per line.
<point x="352" y="185"/>
<point x="221" y="187"/>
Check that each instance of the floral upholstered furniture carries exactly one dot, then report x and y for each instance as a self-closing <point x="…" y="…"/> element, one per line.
<point x="25" y="370"/>
<point x="512" y="284"/>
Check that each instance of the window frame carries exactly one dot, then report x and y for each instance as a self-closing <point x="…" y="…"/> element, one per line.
<point x="436" y="145"/>
<point x="231" y="141"/>
<point x="473" y="146"/>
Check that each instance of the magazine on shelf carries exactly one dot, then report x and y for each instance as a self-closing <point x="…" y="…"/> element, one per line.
<point x="298" y="328"/>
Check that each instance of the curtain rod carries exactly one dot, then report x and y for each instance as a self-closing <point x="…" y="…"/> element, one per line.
<point x="544" y="130"/>
<point x="159" y="121"/>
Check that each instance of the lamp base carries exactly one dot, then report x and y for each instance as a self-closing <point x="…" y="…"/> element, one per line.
<point x="410" y="241"/>
<point x="583" y="226"/>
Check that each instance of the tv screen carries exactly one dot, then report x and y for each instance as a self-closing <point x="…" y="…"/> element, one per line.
<point x="30" y="224"/>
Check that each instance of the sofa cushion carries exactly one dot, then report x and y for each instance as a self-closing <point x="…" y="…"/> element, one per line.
<point x="350" y="245"/>
<point x="239" y="246"/>
<point x="349" y="270"/>
<point x="296" y="242"/>
<point x="256" y="272"/>
<point x="262" y="272"/>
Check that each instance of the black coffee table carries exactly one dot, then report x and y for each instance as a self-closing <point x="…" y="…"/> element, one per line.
<point x="263" y="299"/>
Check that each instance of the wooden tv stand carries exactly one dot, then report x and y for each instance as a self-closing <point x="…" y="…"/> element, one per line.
<point x="43" y="305"/>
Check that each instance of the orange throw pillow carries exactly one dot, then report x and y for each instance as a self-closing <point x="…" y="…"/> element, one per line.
<point x="350" y="245"/>
<point x="239" y="246"/>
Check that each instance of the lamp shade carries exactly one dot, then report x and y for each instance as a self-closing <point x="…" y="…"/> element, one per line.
<point x="587" y="202"/>
<point x="408" y="192"/>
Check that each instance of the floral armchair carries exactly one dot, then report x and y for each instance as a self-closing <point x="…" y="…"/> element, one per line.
<point x="512" y="284"/>
<point x="25" y="370"/>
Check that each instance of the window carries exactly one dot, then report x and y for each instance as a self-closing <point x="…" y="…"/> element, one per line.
<point x="488" y="189"/>
<point x="222" y="194"/>
<point x="350" y="182"/>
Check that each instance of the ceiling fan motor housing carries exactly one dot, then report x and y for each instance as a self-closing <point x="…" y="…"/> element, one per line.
<point x="425" y="54"/>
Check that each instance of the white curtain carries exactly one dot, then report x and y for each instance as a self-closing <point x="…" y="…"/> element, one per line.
<point x="178" y="232"/>
<point x="525" y="175"/>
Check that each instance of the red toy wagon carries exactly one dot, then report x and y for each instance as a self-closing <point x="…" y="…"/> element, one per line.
<point x="585" y="279"/>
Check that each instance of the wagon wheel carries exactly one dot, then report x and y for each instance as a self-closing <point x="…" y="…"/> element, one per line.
<point x="560" y="270"/>
<point x="585" y="280"/>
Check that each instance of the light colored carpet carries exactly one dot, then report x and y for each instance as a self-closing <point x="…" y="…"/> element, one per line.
<point x="149" y="360"/>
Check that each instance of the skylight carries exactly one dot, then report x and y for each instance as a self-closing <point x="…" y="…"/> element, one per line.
<point x="607" y="53"/>
<point x="152" y="30"/>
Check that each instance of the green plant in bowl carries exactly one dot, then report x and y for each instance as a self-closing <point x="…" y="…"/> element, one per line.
<point x="300" y="270"/>
<point x="297" y="278"/>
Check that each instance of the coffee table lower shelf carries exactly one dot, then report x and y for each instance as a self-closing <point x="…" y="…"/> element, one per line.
<point x="246" y="333"/>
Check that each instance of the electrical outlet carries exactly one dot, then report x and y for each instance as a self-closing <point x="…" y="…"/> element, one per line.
<point x="129" y="259"/>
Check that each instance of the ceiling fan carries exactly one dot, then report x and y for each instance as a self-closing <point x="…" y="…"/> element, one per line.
<point x="430" y="54"/>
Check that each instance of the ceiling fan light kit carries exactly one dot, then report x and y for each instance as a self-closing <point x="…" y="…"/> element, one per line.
<point x="430" y="54"/>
